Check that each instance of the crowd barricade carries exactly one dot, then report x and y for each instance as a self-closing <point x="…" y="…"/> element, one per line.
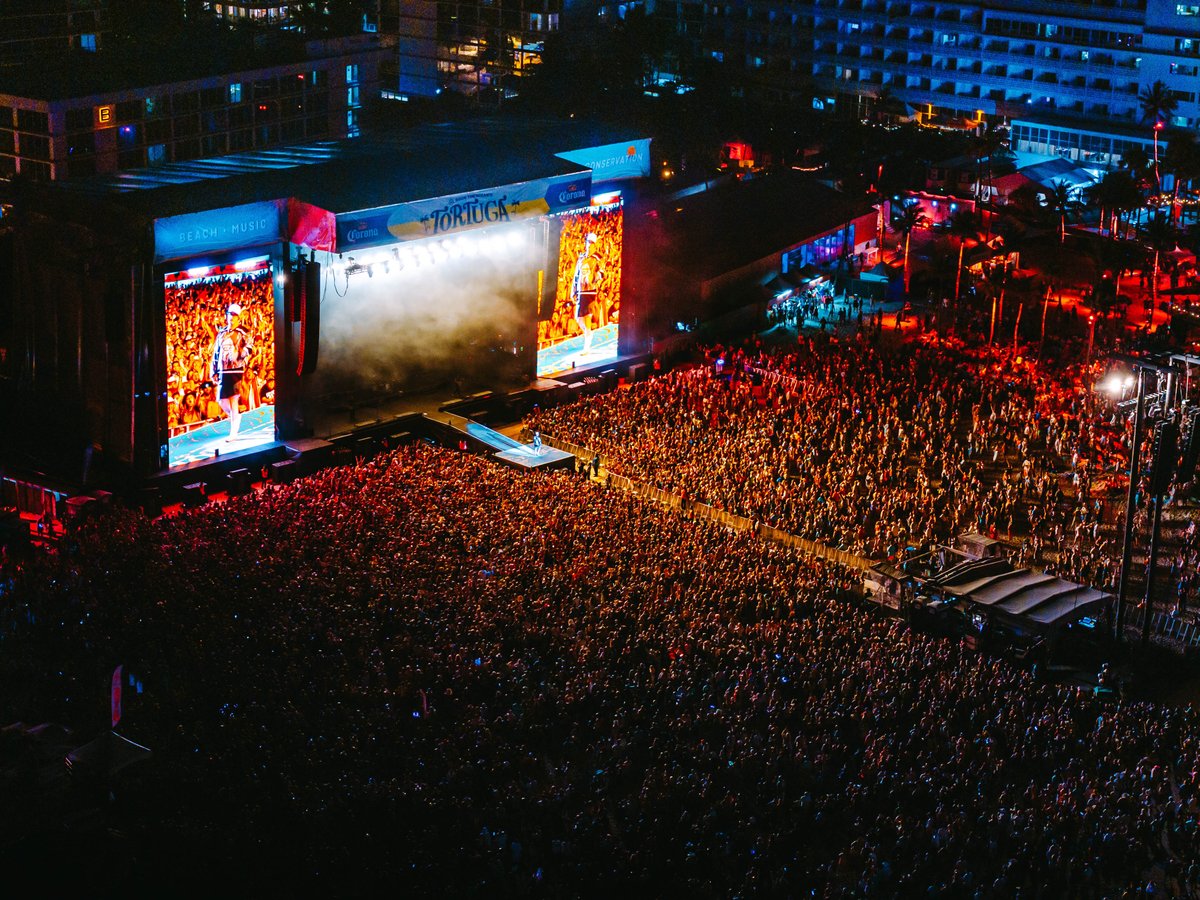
<point x="776" y="377"/>
<point x="711" y="513"/>
<point x="577" y="450"/>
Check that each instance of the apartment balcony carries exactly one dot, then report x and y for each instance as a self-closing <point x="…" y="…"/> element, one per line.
<point x="1115" y="11"/>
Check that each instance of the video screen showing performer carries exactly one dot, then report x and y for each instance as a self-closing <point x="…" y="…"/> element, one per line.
<point x="220" y="360"/>
<point x="582" y="331"/>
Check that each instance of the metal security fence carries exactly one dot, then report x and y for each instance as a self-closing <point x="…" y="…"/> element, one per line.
<point x="708" y="513"/>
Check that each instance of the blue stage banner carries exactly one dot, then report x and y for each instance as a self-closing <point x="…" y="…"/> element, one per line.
<point x="461" y="212"/>
<point x="614" y="162"/>
<point x="228" y="228"/>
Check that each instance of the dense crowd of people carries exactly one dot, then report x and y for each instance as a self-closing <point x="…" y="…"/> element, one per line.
<point x="196" y="309"/>
<point x="877" y="448"/>
<point x="431" y="674"/>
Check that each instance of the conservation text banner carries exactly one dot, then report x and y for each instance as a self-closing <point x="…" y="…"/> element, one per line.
<point x="614" y="162"/>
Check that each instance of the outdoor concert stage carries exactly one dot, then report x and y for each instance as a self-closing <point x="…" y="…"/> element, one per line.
<point x="448" y="292"/>
<point x="518" y="455"/>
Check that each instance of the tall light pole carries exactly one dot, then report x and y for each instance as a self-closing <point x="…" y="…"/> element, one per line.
<point x="1087" y="366"/>
<point x="1158" y="126"/>
<point x="1130" y="505"/>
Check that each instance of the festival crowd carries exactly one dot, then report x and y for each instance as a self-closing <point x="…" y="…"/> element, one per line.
<point x="880" y="449"/>
<point x="431" y="674"/>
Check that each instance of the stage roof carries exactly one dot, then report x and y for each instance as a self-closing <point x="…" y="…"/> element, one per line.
<point x="417" y="163"/>
<point x="736" y="224"/>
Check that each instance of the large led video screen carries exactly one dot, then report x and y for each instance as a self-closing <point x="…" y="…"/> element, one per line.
<point x="581" y="331"/>
<point x="220" y="359"/>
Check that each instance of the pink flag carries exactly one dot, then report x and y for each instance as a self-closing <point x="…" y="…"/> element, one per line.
<point x="116" y="695"/>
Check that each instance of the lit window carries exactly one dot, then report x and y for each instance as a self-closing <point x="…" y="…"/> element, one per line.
<point x="352" y="74"/>
<point x="235" y="93"/>
<point x="1183" y="9"/>
<point x="87" y="42"/>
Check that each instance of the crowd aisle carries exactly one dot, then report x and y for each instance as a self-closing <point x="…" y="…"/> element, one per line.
<point x="432" y="675"/>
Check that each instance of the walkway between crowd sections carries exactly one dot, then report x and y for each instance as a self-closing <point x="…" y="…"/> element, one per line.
<point x="703" y="511"/>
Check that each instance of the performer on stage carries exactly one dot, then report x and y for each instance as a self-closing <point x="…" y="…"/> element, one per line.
<point x="583" y="288"/>
<point x="231" y="351"/>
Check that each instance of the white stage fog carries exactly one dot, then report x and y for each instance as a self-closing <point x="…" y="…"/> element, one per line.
<point x="422" y="315"/>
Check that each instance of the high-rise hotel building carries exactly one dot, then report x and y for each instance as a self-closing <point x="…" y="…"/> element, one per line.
<point x="1065" y="75"/>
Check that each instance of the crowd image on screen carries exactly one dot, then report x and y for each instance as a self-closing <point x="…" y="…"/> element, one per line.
<point x="603" y="273"/>
<point x="195" y="310"/>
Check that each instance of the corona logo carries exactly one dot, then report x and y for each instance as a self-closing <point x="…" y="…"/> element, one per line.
<point x="571" y="193"/>
<point x="361" y="231"/>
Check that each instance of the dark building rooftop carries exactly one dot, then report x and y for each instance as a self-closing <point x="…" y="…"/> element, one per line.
<point x="202" y="55"/>
<point x="722" y="229"/>
<point x="355" y="174"/>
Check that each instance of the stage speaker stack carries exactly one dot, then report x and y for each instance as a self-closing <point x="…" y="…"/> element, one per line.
<point x="1166" y="434"/>
<point x="284" y="471"/>
<point x="309" y="304"/>
<point x="150" y="500"/>
<point x="239" y="482"/>
<point x="193" y="495"/>
<point x="80" y="507"/>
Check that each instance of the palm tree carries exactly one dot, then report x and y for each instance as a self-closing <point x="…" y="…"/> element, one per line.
<point x="983" y="146"/>
<point x="1115" y="256"/>
<point x="1157" y="104"/>
<point x="1060" y="200"/>
<point x="996" y="283"/>
<point x="1098" y="196"/>
<point x="965" y="225"/>
<point x="1022" y="287"/>
<point x="1123" y="195"/>
<point x="909" y="218"/>
<point x="1182" y="160"/>
<point x="1158" y="236"/>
